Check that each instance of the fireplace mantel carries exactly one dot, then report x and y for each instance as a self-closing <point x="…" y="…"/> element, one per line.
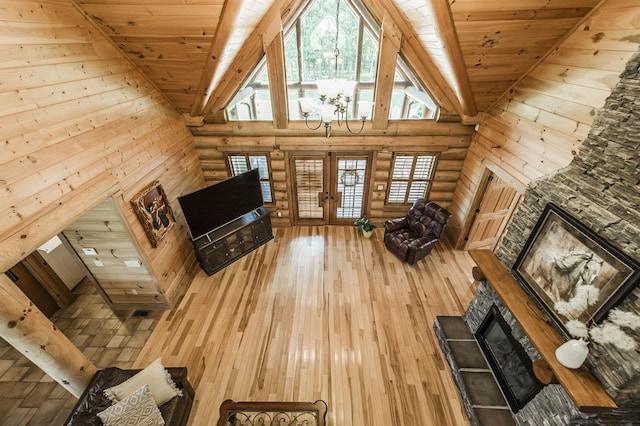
<point x="580" y="385"/>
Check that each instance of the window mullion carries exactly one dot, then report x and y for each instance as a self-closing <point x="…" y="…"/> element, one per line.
<point x="414" y="160"/>
<point x="359" y="51"/>
<point x="299" y="44"/>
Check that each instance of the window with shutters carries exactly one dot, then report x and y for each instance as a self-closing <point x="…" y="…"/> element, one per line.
<point x="411" y="177"/>
<point x="240" y="163"/>
<point x="309" y="181"/>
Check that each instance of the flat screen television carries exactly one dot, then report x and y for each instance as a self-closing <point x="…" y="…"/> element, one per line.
<point x="218" y="204"/>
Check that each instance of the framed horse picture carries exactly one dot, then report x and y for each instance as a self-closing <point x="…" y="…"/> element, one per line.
<point x="573" y="273"/>
<point x="154" y="212"/>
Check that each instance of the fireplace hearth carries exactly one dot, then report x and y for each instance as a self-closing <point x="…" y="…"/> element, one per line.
<point x="480" y="394"/>
<point x="509" y="362"/>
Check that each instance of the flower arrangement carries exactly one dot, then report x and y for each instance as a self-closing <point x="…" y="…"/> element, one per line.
<point x="610" y="331"/>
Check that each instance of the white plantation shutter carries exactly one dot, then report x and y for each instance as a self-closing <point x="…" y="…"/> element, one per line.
<point x="309" y="182"/>
<point x="240" y="163"/>
<point x="411" y="178"/>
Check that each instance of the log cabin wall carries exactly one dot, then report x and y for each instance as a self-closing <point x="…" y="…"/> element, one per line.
<point x="79" y="124"/>
<point x="449" y="140"/>
<point x="539" y="125"/>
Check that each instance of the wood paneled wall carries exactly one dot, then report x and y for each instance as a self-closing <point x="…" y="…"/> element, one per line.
<point x="122" y="286"/>
<point x="79" y="123"/>
<point x="538" y="126"/>
<point x="450" y="140"/>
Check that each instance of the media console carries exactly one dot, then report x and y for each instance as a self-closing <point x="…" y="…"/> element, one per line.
<point x="228" y="243"/>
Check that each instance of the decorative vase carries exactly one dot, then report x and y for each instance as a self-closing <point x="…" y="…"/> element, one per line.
<point x="367" y="234"/>
<point x="572" y="353"/>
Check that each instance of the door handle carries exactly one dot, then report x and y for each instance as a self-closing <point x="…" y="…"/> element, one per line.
<point x="322" y="197"/>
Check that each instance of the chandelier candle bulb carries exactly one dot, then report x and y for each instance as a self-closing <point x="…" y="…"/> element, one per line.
<point x="307" y="105"/>
<point x="365" y="108"/>
<point x="348" y="88"/>
<point x="327" y="112"/>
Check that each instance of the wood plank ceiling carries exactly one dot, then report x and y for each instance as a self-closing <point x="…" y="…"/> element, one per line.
<point x="194" y="50"/>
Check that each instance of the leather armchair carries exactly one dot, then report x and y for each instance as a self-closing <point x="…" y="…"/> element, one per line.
<point x="413" y="237"/>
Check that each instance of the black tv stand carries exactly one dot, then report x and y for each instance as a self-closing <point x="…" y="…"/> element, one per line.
<point x="228" y="243"/>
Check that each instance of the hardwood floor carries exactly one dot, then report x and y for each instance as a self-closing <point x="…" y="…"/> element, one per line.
<point x="321" y="313"/>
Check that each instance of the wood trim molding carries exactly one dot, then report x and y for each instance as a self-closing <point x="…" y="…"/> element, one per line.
<point x="51" y="282"/>
<point x="585" y="391"/>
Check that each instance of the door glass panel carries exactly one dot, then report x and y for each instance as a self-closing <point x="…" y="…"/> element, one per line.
<point x="234" y="248"/>
<point x="351" y="180"/>
<point x="309" y="183"/>
<point x="246" y="238"/>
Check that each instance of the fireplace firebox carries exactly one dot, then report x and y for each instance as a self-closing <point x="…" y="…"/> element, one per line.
<point x="510" y="363"/>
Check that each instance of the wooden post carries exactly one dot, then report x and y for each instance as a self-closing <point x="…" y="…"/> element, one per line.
<point x="28" y="330"/>
<point x="391" y="38"/>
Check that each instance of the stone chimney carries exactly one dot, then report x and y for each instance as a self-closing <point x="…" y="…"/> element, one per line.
<point x="601" y="189"/>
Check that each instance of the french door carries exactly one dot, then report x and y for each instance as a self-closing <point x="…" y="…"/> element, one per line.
<point x="329" y="188"/>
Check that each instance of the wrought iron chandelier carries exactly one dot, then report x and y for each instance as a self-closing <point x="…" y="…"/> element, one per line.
<point x="334" y="96"/>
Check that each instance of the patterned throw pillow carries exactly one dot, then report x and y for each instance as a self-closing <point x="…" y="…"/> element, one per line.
<point x="159" y="381"/>
<point x="137" y="409"/>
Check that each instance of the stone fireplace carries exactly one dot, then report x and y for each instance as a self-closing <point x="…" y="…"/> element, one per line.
<point x="510" y="363"/>
<point x="600" y="188"/>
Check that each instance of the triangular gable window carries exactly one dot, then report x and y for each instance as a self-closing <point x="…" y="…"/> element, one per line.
<point x="253" y="101"/>
<point x="310" y="55"/>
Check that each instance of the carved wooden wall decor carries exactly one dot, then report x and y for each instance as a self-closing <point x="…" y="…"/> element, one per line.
<point x="153" y="210"/>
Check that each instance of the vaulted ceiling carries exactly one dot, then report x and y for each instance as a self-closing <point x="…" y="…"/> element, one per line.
<point x="466" y="52"/>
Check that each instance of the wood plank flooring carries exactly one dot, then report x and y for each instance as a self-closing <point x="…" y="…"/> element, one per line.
<point x="321" y="313"/>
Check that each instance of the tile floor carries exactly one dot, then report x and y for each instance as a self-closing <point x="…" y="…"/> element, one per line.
<point x="30" y="397"/>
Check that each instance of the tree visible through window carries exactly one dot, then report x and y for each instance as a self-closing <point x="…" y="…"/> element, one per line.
<point x="310" y="44"/>
<point x="411" y="177"/>
<point x="240" y="163"/>
<point x="309" y="48"/>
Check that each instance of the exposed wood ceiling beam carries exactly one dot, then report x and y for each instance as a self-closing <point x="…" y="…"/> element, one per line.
<point x="415" y="54"/>
<point x="390" y="41"/>
<point x="228" y="18"/>
<point x="274" y="48"/>
<point x="248" y="57"/>
<point x="445" y="28"/>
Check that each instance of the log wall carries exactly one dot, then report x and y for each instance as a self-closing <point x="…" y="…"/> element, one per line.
<point x="449" y="140"/>
<point x="538" y="126"/>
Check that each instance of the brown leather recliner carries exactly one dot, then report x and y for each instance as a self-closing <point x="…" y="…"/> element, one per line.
<point x="412" y="237"/>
